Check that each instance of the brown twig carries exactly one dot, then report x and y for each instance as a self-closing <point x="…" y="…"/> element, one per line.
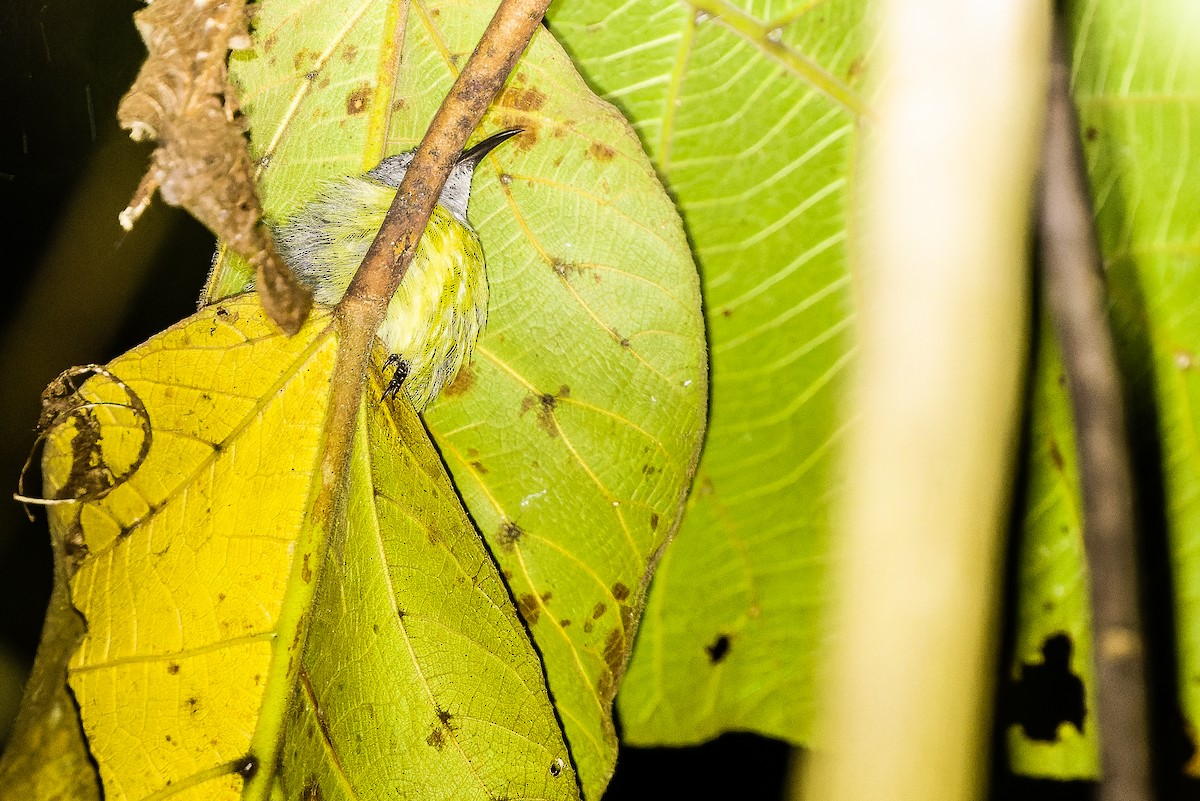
<point x="1074" y="291"/>
<point x="362" y="309"/>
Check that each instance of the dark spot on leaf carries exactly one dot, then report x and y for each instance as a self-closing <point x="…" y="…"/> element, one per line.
<point x="349" y="53"/>
<point x="523" y="98"/>
<point x="588" y="625"/>
<point x="598" y="610"/>
<point x="727" y="312"/>
<point x="546" y="596"/>
<point x="305" y="571"/>
<point x="564" y="623"/>
<point x="269" y="43"/>
<point x="508" y="536"/>
<point x="311" y="76"/>
<point x="247" y="767"/>
<point x="303" y="58"/>
<point x="358" y="100"/>
<point x="1091" y="133"/>
<point x="1055" y="455"/>
<point x="856" y="67"/>
<point x="461" y="383"/>
<point x="623" y="341"/>
<point x="169" y="740"/>
<point x="601" y="152"/>
<point x="375" y="627"/>
<point x="1048" y="694"/>
<point x="614" y="650"/>
<point x="604" y="686"/>
<point x="311" y="791"/>
<point x="478" y="465"/>
<point x="444" y="716"/>
<point x="172" y="668"/>
<point x="436" y="738"/>
<point x="718" y="650"/>
<point x="654" y="521"/>
<point x="556" y="767"/>
<point x="564" y="268"/>
<point x="529" y="608"/>
<point x="620" y="591"/>
<point x="193" y="704"/>
<point x="220" y="597"/>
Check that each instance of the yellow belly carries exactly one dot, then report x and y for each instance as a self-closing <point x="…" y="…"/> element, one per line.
<point x="439" y="310"/>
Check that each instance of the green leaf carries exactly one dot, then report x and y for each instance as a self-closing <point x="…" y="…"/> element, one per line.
<point x="1137" y="84"/>
<point x="418" y="680"/>
<point x="573" y="435"/>
<point x="1054" y="600"/>
<point x="749" y="112"/>
<point x="214" y="657"/>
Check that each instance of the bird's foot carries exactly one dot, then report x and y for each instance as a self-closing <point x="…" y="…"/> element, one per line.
<point x="397" y="380"/>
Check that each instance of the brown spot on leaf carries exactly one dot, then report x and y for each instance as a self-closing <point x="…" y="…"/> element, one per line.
<point x="303" y="58"/>
<point x="598" y="610"/>
<point x="546" y="596"/>
<point x="444" y="717"/>
<point x="857" y="67"/>
<point x="601" y="152"/>
<point x="564" y="622"/>
<point x="306" y="571"/>
<point x="654" y="521"/>
<point x="349" y="53"/>
<point x="358" y="100"/>
<point x="461" y="383"/>
<point x="523" y="98"/>
<point x="529" y="608"/>
<point x="614" y="650"/>
<point x="269" y="43"/>
<point x="1055" y="455"/>
<point x="172" y="668"/>
<point x="436" y="738"/>
<point x="478" y="465"/>
<point x="620" y="591"/>
<point x="508" y="536"/>
<point x="1091" y="134"/>
<point x="588" y="625"/>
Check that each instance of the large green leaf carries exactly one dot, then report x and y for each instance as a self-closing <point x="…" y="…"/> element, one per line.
<point x="573" y="435"/>
<point x="1052" y="691"/>
<point x="1137" y="84"/>
<point x="750" y="112"/>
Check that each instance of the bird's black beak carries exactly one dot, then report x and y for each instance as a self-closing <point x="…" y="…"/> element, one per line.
<point x="474" y="154"/>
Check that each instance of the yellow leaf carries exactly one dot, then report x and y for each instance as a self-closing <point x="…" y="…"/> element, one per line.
<point x="219" y="653"/>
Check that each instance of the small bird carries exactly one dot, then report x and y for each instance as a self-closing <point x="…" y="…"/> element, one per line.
<point x="435" y="318"/>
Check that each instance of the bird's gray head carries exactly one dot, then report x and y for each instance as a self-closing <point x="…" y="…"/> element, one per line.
<point x="457" y="192"/>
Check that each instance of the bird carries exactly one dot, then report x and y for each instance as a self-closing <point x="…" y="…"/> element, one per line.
<point x="434" y="319"/>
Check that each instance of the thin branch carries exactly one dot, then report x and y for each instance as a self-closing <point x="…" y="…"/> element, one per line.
<point x="1074" y="290"/>
<point x="363" y="308"/>
<point x="477" y="85"/>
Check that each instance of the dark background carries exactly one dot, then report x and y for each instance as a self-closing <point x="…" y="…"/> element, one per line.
<point x="79" y="289"/>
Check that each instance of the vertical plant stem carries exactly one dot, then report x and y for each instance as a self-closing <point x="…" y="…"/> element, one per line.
<point x="942" y="331"/>
<point x="1074" y="290"/>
